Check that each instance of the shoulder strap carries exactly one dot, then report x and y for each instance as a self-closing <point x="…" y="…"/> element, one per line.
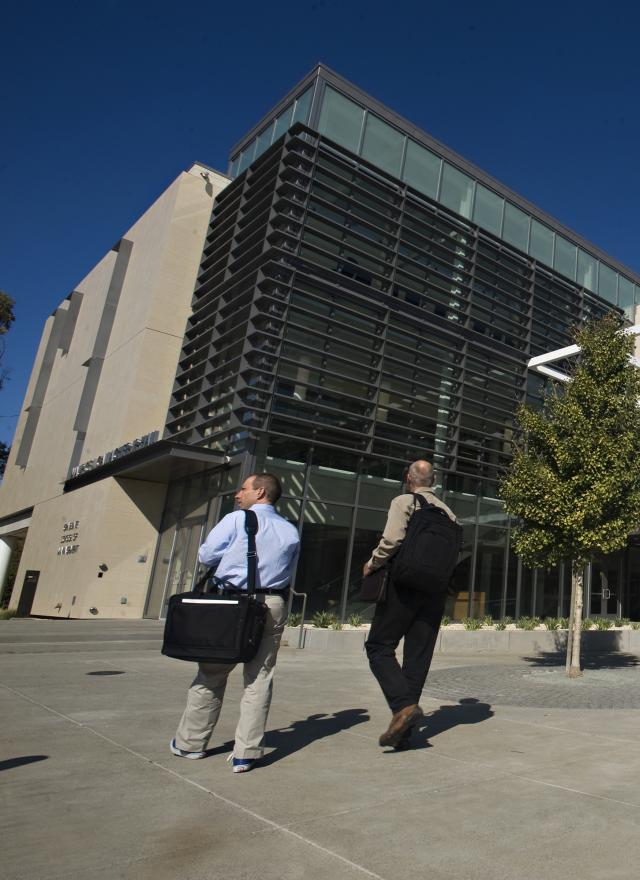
<point x="420" y="499"/>
<point x="251" y="528"/>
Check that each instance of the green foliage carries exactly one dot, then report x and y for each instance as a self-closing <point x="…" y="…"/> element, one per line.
<point x="574" y="482"/>
<point x="527" y="622"/>
<point x="487" y="620"/>
<point x="603" y="623"/>
<point x="4" y="452"/>
<point x="6" y="614"/>
<point x="635" y="624"/>
<point x="622" y="621"/>
<point x="294" y="618"/>
<point x="563" y="623"/>
<point x="323" y="619"/>
<point x="472" y="623"/>
<point x="551" y="623"/>
<point x="587" y="623"/>
<point x="335" y="624"/>
<point x="6" y="320"/>
<point x="445" y="621"/>
<point x="501" y="624"/>
<point x="355" y="619"/>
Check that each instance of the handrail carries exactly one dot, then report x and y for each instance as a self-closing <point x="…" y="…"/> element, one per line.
<point x="293" y="593"/>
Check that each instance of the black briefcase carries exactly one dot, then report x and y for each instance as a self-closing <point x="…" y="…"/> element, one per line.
<point x="217" y="628"/>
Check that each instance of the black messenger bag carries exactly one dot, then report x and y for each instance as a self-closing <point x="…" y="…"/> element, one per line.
<point x="217" y="628"/>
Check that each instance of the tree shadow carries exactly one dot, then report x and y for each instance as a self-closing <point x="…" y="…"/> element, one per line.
<point x="617" y="660"/>
<point x="287" y="740"/>
<point x="10" y="763"/>
<point x="468" y="710"/>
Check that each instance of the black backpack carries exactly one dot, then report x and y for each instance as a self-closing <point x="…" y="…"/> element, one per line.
<point x="429" y="552"/>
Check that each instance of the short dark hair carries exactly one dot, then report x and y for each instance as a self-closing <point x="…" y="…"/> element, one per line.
<point x="271" y="485"/>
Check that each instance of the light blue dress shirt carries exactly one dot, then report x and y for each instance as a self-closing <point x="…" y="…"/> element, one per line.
<point x="277" y="544"/>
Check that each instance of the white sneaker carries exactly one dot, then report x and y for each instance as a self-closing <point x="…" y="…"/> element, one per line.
<point x="182" y="754"/>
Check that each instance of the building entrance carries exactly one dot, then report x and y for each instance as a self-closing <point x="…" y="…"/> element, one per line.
<point x="184" y="559"/>
<point x="605" y="586"/>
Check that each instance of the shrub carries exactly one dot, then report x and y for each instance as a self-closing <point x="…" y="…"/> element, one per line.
<point x="294" y="618"/>
<point x="603" y="623"/>
<point x="563" y="623"/>
<point x="7" y="614"/>
<point x="487" y="620"/>
<point x="635" y="624"/>
<point x="508" y="619"/>
<point x="587" y="623"/>
<point x="622" y="621"/>
<point x="472" y="623"/>
<point x="354" y="619"/>
<point x="551" y="623"/>
<point x="445" y="621"/>
<point x="501" y="624"/>
<point x="323" y="619"/>
<point x="335" y="624"/>
<point x="527" y="622"/>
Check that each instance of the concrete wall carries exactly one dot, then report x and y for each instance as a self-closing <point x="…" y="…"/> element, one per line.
<point x="137" y="370"/>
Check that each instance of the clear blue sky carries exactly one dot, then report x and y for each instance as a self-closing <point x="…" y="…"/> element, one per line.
<point x="103" y="104"/>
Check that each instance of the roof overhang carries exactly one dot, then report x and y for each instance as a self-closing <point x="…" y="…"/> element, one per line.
<point x="161" y="462"/>
<point x="540" y="362"/>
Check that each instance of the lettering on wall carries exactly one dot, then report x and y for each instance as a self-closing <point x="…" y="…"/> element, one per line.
<point x="69" y="538"/>
<point x="113" y="454"/>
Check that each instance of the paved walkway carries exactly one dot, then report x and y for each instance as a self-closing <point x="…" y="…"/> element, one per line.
<point x="496" y="787"/>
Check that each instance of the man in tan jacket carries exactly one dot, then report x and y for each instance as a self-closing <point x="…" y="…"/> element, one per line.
<point x="405" y="613"/>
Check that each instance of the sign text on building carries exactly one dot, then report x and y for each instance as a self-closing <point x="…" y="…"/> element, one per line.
<point x="113" y="454"/>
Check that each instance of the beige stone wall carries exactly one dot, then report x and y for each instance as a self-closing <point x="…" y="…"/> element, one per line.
<point x="132" y="399"/>
<point x="117" y="527"/>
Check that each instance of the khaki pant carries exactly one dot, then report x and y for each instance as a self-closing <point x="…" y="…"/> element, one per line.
<point x="205" y="696"/>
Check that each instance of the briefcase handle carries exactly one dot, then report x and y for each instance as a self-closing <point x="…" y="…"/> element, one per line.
<point x="251" y="528"/>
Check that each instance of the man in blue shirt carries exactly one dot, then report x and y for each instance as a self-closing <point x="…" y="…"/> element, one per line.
<point x="277" y="544"/>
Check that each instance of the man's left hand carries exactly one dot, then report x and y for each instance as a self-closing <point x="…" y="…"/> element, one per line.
<point x="366" y="570"/>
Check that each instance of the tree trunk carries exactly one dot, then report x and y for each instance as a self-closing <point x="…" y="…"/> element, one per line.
<point x="575" y="622"/>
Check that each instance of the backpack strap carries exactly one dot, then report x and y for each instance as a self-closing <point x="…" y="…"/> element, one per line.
<point x="251" y="528"/>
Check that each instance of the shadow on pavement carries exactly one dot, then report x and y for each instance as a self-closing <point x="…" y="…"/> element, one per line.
<point x="288" y="740"/>
<point x="617" y="660"/>
<point x="467" y="711"/>
<point x="10" y="763"/>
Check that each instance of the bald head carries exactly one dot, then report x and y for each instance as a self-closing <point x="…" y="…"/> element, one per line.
<point x="420" y="475"/>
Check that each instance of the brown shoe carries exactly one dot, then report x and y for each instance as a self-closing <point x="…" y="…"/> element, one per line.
<point x="400" y="722"/>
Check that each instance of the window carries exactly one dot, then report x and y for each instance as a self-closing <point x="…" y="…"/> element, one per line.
<point x="587" y="271"/>
<point x="564" y="259"/>
<point x="487" y="210"/>
<point x="382" y="145"/>
<point x="264" y="140"/>
<point x="608" y="284"/>
<point x="341" y="119"/>
<point x="515" y="228"/>
<point x="302" y="107"/>
<point x="456" y="191"/>
<point x="422" y="169"/>
<point x="283" y="122"/>
<point x="541" y="244"/>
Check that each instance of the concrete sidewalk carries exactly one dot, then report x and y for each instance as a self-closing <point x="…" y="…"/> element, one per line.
<point x="497" y="787"/>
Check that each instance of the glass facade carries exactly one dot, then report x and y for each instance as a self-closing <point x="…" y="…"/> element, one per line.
<point x="353" y="126"/>
<point x="361" y="303"/>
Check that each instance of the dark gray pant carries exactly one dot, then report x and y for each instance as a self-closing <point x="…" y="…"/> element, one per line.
<point x="416" y="617"/>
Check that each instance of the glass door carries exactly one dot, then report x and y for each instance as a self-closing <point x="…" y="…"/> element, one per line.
<point x="184" y="558"/>
<point x="605" y="586"/>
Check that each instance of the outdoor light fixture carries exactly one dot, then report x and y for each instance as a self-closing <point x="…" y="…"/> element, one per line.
<point x="540" y="361"/>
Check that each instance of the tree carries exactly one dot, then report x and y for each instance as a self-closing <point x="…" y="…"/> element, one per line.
<point x="574" y="481"/>
<point x="6" y="320"/>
